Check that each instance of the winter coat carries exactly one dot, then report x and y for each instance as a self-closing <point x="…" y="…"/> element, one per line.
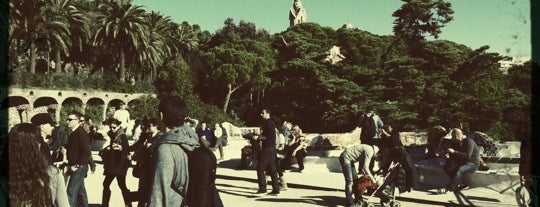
<point x="170" y="180"/>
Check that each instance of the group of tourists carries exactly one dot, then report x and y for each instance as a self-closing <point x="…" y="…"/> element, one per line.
<point x="177" y="167"/>
<point x="273" y="146"/>
<point x="48" y="164"/>
<point x="379" y="141"/>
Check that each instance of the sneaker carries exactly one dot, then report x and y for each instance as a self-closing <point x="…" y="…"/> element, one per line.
<point x="283" y="188"/>
<point x="462" y="186"/>
<point x="260" y="192"/>
<point x="274" y="192"/>
<point x="442" y="191"/>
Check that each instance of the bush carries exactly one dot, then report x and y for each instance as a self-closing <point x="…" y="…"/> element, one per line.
<point x="144" y="107"/>
<point x="95" y="112"/>
<point x="64" y="81"/>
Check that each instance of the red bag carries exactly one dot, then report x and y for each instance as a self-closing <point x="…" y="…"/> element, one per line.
<point x="361" y="185"/>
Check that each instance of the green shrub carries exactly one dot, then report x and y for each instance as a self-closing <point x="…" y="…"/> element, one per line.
<point x="95" y="112"/>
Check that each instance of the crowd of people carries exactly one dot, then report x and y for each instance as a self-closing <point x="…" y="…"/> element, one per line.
<point x="176" y="166"/>
<point x="54" y="161"/>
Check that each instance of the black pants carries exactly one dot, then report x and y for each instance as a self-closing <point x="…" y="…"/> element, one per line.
<point x="121" y="180"/>
<point x="145" y="185"/>
<point x="266" y="159"/>
<point x="300" y="155"/>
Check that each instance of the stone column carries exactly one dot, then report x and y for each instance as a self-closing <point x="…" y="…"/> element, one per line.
<point x="57" y="114"/>
<point x="105" y="108"/>
<point x="84" y="108"/>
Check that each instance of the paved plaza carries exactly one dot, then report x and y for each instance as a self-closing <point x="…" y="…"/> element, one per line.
<point x="315" y="186"/>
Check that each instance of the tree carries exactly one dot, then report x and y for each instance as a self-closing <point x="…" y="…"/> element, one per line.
<point x="238" y="64"/>
<point x="29" y="26"/>
<point x="123" y="26"/>
<point x="414" y="19"/>
<point x="73" y="29"/>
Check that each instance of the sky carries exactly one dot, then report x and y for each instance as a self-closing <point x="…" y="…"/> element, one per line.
<point x="504" y="25"/>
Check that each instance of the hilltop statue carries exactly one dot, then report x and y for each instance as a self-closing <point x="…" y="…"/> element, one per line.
<point x="334" y="56"/>
<point x="297" y="14"/>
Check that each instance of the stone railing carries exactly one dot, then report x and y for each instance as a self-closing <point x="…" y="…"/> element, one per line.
<point x="329" y="141"/>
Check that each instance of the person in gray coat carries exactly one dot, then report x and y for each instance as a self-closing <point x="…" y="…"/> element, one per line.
<point x="171" y="177"/>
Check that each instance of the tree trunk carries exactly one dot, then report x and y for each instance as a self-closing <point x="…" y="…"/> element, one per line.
<point x="33" y="57"/>
<point x="153" y="74"/>
<point x="122" y="66"/>
<point x="58" y="61"/>
<point x="230" y="91"/>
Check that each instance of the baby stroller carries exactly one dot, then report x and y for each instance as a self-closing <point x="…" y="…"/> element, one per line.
<point x="400" y="174"/>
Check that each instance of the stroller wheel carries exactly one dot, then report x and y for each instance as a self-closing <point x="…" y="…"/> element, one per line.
<point x="395" y="203"/>
<point x="364" y="204"/>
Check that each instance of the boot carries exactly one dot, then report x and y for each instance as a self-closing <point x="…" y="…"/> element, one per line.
<point x="282" y="184"/>
<point x="106" y="196"/>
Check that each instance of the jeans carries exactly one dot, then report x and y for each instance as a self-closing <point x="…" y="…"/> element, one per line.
<point x="457" y="174"/>
<point x="219" y="145"/>
<point x="266" y="159"/>
<point x="350" y="174"/>
<point x="75" y="189"/>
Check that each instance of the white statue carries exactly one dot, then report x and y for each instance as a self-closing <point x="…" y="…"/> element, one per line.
<point x="297" y="13"/>
<point x="334" y="55"/>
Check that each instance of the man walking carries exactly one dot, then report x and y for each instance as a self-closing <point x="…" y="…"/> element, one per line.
<point x="78" y="156"/>
<point x="266" y="159"/>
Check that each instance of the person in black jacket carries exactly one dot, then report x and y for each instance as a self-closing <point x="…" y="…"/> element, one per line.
<point x="202" y="191"/>
<point x="78" y="156"/>
<point x="266" y="159"/>
<point x="143" y="155"/>
<point x="463" y="157"/>
<point x="116" y="162"/>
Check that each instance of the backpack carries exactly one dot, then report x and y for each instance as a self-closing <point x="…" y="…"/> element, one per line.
<point x="482" y="140"/>
<point x="369" y="128"/>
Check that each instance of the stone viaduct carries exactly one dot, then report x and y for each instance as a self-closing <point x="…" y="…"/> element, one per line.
<point x="22" y="104"/>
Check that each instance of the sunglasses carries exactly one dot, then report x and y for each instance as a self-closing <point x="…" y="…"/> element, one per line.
<point x="68" y="119"/>
<point x="113" y="127"/>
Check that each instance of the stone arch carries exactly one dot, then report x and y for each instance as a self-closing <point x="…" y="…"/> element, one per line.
<point x="45" y="102"/>
<point x="111" y="106"/>
<point x="18" y="108"/>
<point x="44" y="105"/>
<point x="95" y="109"/>
<point x="70" y="104"/>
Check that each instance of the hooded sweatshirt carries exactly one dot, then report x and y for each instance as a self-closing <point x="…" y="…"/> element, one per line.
<point x="170" y="180"/>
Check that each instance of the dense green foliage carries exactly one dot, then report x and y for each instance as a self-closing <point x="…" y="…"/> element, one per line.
<point x="228" y="75"/>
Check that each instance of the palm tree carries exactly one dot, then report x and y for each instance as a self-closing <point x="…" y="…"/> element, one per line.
<point x="159" y="30"/>
<point x="185" y="38"/>
<point x="75" y="29"/>
<point x="123" y="26"/>
<point x="27" y="26"/>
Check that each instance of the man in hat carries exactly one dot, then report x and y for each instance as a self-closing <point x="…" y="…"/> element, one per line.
<point x="46" y="125"/>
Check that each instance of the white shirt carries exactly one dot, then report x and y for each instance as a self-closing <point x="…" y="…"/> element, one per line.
<point x="123" y="116"/>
